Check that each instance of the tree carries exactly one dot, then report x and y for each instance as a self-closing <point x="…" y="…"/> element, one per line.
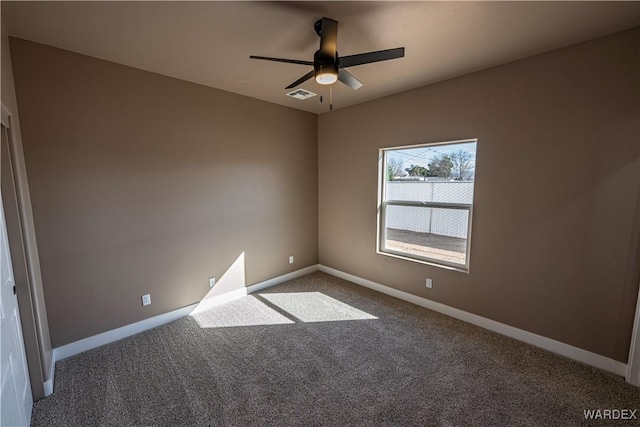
<point x="462" y="164"/>
<point x="394" y="168"/>
<point x="440" y="166"/>
<point x="417" y="170"/>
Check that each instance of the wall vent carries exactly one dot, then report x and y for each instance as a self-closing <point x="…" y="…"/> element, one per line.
<point x="301" y="94"/>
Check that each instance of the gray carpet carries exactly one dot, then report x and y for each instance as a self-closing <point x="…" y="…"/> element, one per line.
<point x="321" y="351"/>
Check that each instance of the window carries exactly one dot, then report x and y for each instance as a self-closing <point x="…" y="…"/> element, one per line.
<point x="426" y="203"/>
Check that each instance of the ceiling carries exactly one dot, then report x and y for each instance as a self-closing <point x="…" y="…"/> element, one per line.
<point x="210" y="42"/>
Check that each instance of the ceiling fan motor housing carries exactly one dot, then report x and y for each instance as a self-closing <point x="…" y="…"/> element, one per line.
<point x="323" y="64"/>
<point x="317" y="26"/>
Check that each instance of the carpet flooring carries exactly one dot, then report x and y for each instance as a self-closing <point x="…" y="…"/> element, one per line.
<point x="320" y="351"/>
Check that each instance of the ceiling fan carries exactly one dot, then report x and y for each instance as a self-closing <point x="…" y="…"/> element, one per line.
<point x="328" y="67"/>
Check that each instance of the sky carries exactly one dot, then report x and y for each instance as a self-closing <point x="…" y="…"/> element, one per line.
<point x="422" y="155"/>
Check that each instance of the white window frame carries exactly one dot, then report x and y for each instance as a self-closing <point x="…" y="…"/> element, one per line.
<point x="383" y="204"/>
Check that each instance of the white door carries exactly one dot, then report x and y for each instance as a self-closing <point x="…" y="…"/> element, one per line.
<point x="15" y="390"/>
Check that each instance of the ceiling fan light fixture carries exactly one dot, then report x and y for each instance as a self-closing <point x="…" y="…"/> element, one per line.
<point x="326" y="78"/>
<point x="326" y="74"/>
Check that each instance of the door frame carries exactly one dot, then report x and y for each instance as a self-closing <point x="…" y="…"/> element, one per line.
<point x="16" y="357"/>
<point x="22" y="272"/>
<point x="633" y="364"/>
<point x="633" y="368"/>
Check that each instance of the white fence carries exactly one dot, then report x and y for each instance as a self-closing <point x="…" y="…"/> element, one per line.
<point x="442" y="221"/>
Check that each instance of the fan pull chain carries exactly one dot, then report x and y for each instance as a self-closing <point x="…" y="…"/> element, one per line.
<point x="330" y="98"/>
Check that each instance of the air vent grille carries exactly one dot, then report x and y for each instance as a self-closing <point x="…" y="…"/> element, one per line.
<point x="301" y="94"/>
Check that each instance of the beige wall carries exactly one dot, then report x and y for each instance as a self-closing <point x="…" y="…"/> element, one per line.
<point x="553" y="250"/>
<point x="142" y="183"/>
<point x="147" y="184"/>
<point x="31" y="300"/>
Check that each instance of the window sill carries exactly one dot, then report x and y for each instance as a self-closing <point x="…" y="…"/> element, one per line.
<point x="461" y="268"/>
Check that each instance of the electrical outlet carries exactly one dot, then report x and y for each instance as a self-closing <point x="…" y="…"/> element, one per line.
<point x="429" y="283"/>
<point x="146" y="299"/>
<point x="212" y="281"/>
<point x="291" y="259"/>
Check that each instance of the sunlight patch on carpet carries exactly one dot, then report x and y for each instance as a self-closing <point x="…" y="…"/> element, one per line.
<point x="315" y="307"/>
<point x="246" y="311"/>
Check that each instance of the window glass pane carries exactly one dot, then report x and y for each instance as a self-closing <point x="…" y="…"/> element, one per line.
<point x="430" y="191"/>
<point x="439" y="179"/>
<point x="435" y="233"/>
<point x="455" y="161"/>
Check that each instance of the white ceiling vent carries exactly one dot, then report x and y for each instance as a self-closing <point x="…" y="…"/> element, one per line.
<point x="301" y="94"/>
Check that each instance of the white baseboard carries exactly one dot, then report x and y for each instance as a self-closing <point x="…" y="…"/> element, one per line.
<point x="94" y="341"/>
<point x="549" y="344"/>
<point x="239" y="293"/>
<point x="219" y="299"/>
<point x="545" y="343"/>
<point x="281" y="279"/>
<point x="48" y="387"/>
<point x="89" y="343"/>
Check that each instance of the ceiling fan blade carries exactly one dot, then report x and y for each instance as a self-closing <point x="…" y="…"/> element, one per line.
<point x="347" y="78"/>
<point x="369" y="57"/>
<point x="301" y="80"/>
<point x="329" y="37"/>
<point x="288" y="61"/>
